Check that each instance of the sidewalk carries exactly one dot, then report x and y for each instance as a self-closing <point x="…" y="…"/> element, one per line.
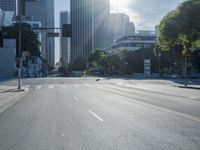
<point x="9" y="95"/>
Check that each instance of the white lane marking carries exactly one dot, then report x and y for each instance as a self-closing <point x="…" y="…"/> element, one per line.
<point x="75" y="98"/>
<point x="76" y="86"/>
<point x="63" y="86"/>
<point x="27" y="86"/>
<point x="38" y="87"/>
<point x="96" y="116"/>
<point x="51" y="86"/>
<point x="120" y="84"/>
<point x="87" y="85"/>
<point x="99" y="86"/>
<point x="197" y="119"/>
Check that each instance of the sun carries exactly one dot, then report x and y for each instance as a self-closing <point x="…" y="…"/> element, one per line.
<point x="119" y="4"/>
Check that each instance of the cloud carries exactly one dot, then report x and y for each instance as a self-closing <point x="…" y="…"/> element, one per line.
<point x="147" y="13"/>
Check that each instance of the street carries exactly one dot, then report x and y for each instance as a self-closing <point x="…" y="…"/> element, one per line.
<point x="91" y="114"/>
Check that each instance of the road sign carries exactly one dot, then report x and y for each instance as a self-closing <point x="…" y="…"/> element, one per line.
<point x="53" y="34"/>
<point x="147" y="67"/>
<point x="67" y="30"/>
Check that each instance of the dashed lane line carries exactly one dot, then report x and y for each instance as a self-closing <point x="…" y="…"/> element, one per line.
<point x="75" y="98"/>
<point x="95" y="115"/>
<point x="51" y="86"/>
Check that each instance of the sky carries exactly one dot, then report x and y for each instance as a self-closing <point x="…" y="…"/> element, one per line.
<point x="145" y="14"/>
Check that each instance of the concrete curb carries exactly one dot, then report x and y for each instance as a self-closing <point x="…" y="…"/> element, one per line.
<point x="189" y="87"/>
<point x="13" y="90"/>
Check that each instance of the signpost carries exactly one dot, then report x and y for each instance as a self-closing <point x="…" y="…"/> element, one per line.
<point x="147" y="67"/>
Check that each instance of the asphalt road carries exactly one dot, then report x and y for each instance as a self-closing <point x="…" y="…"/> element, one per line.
<point x="85" y="114"/>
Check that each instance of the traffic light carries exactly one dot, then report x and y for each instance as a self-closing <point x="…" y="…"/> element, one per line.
<point x="67" y="30"/>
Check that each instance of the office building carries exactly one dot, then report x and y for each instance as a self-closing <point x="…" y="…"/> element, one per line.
<point x="146" y="32"/>
<point x="7" y="58"/>
<point x="65" y="42"/>
<point x="116" y="26"/>
<point x="89" y="27"/>
<point x="129" y="29"/>
<point x="119" y="25"/>
<point x="8" y="5"/>
<point x="135" y="42"/>
<point x="43" y="11"/>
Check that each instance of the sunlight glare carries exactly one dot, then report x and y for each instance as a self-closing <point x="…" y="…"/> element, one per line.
<point x="119" y="4"/>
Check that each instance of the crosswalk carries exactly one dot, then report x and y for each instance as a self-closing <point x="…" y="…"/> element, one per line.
<point x="77" y="86"/>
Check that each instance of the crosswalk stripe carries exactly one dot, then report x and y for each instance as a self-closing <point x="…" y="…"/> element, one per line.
<point x="63" y="86"/>
<point x="27" y="86"/>
<point x="51" y="86"/>
<point x="76" y="85"/>
<point x="88" y="85"/>
<point x="99" y="86"/>
<point x="38" y="87"/>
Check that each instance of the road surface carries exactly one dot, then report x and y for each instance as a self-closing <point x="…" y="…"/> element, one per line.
<point x="85" y="114"/>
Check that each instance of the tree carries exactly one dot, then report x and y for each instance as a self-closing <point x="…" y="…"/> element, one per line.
<point x="30" y="40"/>
<point x="79" y="65"/>
<point x="98" y="59"/>
<point x="181" y="27"/>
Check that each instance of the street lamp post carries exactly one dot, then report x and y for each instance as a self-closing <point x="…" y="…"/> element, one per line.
<point x="185" y="70"/>
<point x="18" y="19"/>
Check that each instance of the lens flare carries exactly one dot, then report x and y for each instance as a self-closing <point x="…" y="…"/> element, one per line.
<point x="119" y="4"/>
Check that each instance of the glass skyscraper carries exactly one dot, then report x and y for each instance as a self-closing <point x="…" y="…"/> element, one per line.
<point x="8" y="5"/>
<point x="89" y="20"/>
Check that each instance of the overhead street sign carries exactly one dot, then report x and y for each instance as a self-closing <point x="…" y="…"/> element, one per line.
<point x="67" y="30"/>
<point x="53" y="34"/>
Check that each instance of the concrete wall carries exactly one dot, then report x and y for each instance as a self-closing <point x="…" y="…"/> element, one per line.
<point x="7" y="59"/>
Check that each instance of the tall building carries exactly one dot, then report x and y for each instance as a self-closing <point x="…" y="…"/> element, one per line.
<point x="8" y="5"/>
<point x="89" y="26"/>
<point x="43" y="11"/>
<point x="100" y="18"/>
<point x="65" y="42"/>
<point x="116" y="26"/>
<point x="129" y="29"/>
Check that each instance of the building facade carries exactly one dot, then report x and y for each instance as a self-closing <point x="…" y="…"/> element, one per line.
<point x="129" y="29"/>
<point x="134" y="42"/>
<point x="65" y="42"/>
<point x="7" y="58"/>
<point x="43" y="11"/>
<point x="8" y="5"/>
<point x="89" y="26"/>
<point x="120" y="25"/>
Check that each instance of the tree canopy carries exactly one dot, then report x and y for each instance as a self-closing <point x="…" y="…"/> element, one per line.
<point x="29" y="38"/>
<point x="181" y="27"/>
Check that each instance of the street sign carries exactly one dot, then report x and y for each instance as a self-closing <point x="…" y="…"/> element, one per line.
<point x="53" y="34"/>
<point x="23" y="18"/>
<point x="147" y="67"/>
<point x="67" y="30"/>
